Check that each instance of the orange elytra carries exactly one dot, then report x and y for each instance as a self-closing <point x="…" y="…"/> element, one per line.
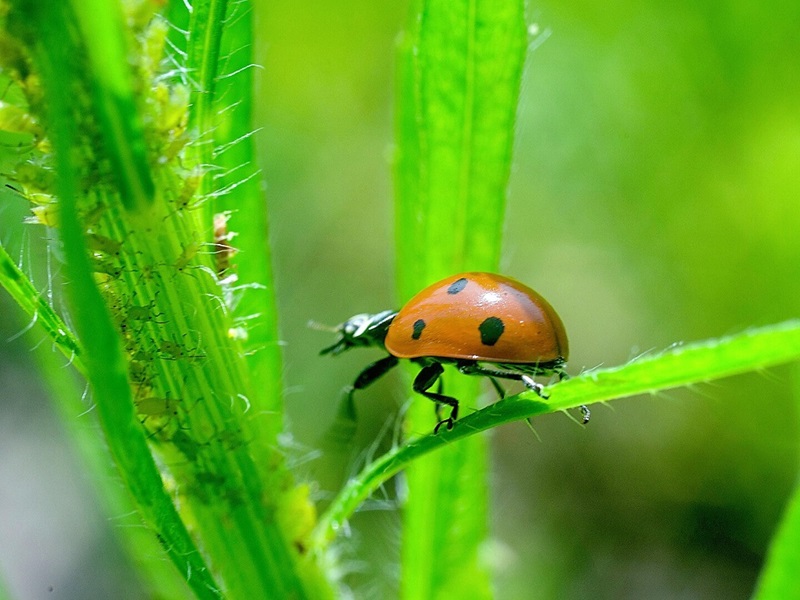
<point x="479" y="316"/>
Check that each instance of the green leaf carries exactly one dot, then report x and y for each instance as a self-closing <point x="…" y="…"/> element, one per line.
<point x="779" y="580"/>
<point x="460" y="65"/>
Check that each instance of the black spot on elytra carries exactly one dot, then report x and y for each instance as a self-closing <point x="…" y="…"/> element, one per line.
<point x="419" y="325"/>
<point x="457" y="286"/>
<point x="491" y="330"/>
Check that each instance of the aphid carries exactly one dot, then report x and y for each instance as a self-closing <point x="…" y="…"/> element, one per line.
<point x="157" y="407"/>
<point x="186" y="445"/>
<point x="13" y="57"/>
<point x="173" y="106"/>
<point x="16" y="120"/>
<point x="146" y="271"/>
<point x="106" y="267"/>
<point x="92" y="216"/>
<point x="144" y="313"/>
<point x="45" y="214"/>
<point x="483" y="324"/>
<point x="34" y="177"/>
<point x="163" y="410"/>
<point x="172" y="350"/>
<point x="101" y="243"/>
<point x="186" y="256"/>
<point x="186" y="195"/>
<point x="139" y="372"/>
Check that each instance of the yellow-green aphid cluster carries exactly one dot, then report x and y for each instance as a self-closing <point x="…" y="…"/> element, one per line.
<point x="164" y="267"/>
<point x="21" y="129"/>
<point x="133" y="258"/>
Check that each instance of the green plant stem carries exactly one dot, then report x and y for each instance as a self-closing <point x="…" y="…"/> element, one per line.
<point x="105" y="364"/>
<point x="166" y="373"/>
<point x="460" y="65"/>
<point x="220" y="59"/>
<point x="105" y="42"/>
<point x="687" y="365"/>
<point x="142" y="549"/>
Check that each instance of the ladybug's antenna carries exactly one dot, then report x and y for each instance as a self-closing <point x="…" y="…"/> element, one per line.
<point x="340" y="345"/>
<point x="317" y="326"/>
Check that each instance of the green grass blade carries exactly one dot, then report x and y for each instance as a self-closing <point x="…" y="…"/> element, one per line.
<point x="207" y="22"/>
<point x="780" y="577"/>
<point x="460" y="65"/>
<point x="220" y="57"/>
<point x="687" y="365"/>
<point x="238" y="195"/>
<point x="38" y="310"/>
<point x="243" y="198"/>
<point x="779" y="580"/>
<point x="459" y="77"/>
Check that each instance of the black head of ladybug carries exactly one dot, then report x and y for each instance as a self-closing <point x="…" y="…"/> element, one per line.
<point x="362" y="330"/>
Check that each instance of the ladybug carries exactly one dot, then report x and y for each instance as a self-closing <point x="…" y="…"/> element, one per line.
<point x="482" y="323"/>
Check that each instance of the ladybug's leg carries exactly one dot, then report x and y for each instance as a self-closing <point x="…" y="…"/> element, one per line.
<point x="438" y="405"/>
<point x="424" y="381"/>
<point x="368" y="376"/>
<point x="471" y="368"/>
<point x="585" y="412"/>
<point x="468" y="368"/>
<point x="531" y="384"/>
<point x="374" y="372"/>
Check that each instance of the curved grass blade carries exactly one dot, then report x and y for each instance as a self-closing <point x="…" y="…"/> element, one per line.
<point x="687" y="365"/>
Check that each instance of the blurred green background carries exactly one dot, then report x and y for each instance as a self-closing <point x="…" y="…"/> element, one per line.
<point x="653" y="200"/>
